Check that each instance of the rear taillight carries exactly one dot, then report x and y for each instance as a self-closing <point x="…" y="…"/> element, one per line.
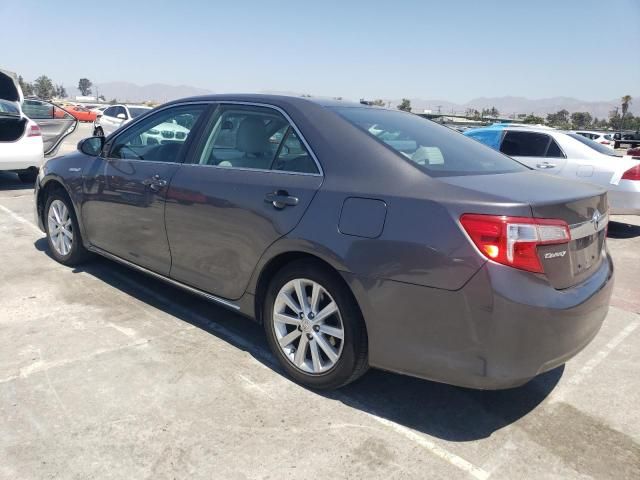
<point x="514" y="241"/>
<point x="34" y="131"/>
<point x="632" y="174"/>
<point x="604" y="142"/>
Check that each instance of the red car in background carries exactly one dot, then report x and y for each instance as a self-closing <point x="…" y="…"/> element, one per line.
<point x="634" y="152"/>
<point x="82" y="114"/>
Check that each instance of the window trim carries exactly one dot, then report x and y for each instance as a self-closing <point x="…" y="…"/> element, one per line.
<point x="291" y="124"/>
<point x="106" y="149"/>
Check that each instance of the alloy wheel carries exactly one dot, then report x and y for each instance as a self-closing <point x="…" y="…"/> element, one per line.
<point x="308" y="326"/>
<point x="60" y="227"/>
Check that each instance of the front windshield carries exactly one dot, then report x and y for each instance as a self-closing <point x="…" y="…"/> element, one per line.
<point x="9" y="109"/>
<point x="137" y="111"/>
<point x="437" y="149"/>
<point x="595" y="145"/>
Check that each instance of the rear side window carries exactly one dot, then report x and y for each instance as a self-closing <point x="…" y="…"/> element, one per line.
<point x="109" y="112"/>
<point x="554" y="151"/>
<point x="253" y="137"/>
<point x="524" y="144"/>
<point x="436" y="149"/>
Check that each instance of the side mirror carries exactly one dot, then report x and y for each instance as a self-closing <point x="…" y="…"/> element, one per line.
<point x="91" y="146"/>
<point x="121" y="116"/>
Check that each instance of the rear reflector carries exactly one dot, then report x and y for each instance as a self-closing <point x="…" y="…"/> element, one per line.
<point x="632" y="174"/>
<point x="34" y="131"/>
<point x="513" y="241"/>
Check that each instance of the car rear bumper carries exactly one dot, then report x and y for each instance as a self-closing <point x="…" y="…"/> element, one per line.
<point x="625" y="198"/>
<point x="22" y="154"/>
<point x="503" y="328"/>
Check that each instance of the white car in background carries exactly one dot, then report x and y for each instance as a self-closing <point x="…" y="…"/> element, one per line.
<point x="29" y="129"/>
<point x="600" y="137"/>
<point x="569" y="155"/>
<point x="115" y="116"/>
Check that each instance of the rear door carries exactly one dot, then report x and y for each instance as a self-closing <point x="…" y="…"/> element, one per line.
<point x="54" y="122"/>
<point x="536" y="150"/>
<point x="123" y="205"/>
<point x="249" y="182"/>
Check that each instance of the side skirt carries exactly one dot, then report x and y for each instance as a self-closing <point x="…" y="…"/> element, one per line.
<point x="208" y="296"/>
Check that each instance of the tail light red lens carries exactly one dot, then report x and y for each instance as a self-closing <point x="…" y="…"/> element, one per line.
<point x="34" y="131"/>
<point x="514" y="241"/>
<point x="604" y="142"/>
<point x="632" y="174"/>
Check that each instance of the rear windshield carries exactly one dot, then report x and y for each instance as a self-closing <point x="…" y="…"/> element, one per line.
<point x="595" y="145"/>
<point x="136" y="112"/>
<point x="438" y="150"/>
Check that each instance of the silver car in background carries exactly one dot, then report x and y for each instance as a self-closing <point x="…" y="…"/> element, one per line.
<point x="569" y="155"/>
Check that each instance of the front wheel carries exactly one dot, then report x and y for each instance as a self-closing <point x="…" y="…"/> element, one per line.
<point x="314" y="327"/>
<point x="63" y="233"/>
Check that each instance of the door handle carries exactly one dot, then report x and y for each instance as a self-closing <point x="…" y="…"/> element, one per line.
<point x="281" y="199"/>
<point x="544" y="165"/>
<point x="155" y="183"/>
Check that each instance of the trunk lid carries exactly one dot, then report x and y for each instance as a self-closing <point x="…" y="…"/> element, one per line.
<point x="9" y="87"/>
<point x="583" y="206"/>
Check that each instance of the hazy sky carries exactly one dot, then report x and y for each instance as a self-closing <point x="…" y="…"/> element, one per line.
<point x="450" y="50"/>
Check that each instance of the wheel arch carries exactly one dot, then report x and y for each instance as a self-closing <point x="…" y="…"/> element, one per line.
<point x="278" y="261"/>
<point x="47" y="188"/>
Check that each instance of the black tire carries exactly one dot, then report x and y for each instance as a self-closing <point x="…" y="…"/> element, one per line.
<point x="78" y="253"/>
<point x="29" y="176"/>
<point x="353" y="361"/>
<point x="98" y="132"/>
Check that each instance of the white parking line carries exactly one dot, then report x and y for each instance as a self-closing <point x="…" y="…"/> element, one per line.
<point x="416" y="437"/>
<point x="20" y="219"/>
<point x="560" y="393"/>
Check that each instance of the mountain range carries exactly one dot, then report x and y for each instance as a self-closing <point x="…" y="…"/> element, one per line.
<point x="160" y="92"/>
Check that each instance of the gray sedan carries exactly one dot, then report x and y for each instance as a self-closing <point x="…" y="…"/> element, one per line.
<point x="357" y="236"/>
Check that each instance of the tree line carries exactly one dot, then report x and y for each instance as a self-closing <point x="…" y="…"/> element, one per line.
<point x="44" y="87"/>
<point x="619" y="119"/>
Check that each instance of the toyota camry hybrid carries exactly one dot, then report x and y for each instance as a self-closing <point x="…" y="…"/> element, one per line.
<point x="358" y="236"/>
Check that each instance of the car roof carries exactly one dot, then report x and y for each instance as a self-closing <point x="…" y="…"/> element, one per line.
<point x="277" y="100"/>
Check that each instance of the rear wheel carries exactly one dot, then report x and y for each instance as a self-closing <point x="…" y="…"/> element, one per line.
<point x="63" y="233"/>
<point x="313" y="326"/>
<point x="28" y="176"/>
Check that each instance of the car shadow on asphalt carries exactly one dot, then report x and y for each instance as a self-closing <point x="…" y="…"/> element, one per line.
<point x="443" y="411"/>
<point x="623" y="230"/>
<point x="10" y="181"/>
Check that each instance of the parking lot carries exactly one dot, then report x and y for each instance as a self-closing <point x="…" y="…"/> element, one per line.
<point x="108" y="373"/>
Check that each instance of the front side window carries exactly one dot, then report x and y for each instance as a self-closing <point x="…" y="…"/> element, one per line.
<point x="436" y="149"/>
<point x="253" y="137"/>
<point x="159" y="138"/>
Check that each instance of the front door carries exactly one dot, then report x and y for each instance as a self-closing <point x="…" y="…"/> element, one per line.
<point x="125" y="190"/>
<point x="249" y="182"/>
<point x="55" y="123"/>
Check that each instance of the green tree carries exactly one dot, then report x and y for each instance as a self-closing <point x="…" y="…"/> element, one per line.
<point x="102" y="97"/>
<point x="43" y="87"/>
<point x="60" y="91"/>
<point x="559" y="119"/>
<point x="581" y="119"/>
<point x="494" y="112"/>
<point x="84" y="85"/>
<point x="405" y="105"/>
<point x="113" y="101"/>
<point x="624" y="103"/>
<point x="378" y="102"/>
<point x="26" y="87"/>
<point x="533" y="119"/>
<point x="615" y="120"/>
